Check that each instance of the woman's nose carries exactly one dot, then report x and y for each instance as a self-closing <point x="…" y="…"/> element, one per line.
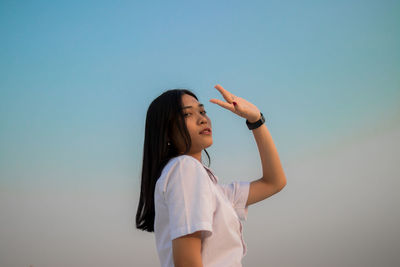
<point x="203" y="119"/>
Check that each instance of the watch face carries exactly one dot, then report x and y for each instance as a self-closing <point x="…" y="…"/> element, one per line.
<point x="262" y="118"/>
<point x="256" y="124"/>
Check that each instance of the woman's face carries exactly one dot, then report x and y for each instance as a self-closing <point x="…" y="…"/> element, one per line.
<point x="196" y="121"/>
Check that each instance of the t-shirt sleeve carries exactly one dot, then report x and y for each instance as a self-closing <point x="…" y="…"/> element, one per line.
<point x="238" y="192"/>
<point x="189" y="198"/>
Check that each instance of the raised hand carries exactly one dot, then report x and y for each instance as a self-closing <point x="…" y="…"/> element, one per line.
<point x="237" y="105"/>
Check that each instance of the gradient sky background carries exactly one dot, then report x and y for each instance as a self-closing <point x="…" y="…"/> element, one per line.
<point x="76" y="78"/>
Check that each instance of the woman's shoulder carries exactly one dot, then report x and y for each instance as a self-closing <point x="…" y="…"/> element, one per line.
<point x="184" y="160"/>
<point x="179" y="167"/>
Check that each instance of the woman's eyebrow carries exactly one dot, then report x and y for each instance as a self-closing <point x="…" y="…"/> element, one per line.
<point x="200" y="105"/>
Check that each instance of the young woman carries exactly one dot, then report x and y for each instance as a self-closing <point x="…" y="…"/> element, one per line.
<point x="195" y="219"/>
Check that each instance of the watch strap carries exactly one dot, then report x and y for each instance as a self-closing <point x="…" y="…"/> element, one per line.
<point x="256" y="124"/>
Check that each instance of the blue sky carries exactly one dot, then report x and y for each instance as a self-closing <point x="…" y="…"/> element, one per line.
<point x="76" y="78"/>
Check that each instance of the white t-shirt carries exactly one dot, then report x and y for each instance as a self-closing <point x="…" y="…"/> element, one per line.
<point x="187" y="199"/>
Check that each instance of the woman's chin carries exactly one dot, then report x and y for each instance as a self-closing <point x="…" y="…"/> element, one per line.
<point x="208" y="145"/>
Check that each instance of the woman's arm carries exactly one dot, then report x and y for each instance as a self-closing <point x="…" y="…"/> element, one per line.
<point x="187" y="250"/>
<point x="273" y="179"/>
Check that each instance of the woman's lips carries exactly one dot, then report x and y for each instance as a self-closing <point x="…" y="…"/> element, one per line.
<point x="206" y="131"/>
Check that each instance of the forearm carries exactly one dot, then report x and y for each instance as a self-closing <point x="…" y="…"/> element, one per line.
<point x="271" y="165"/>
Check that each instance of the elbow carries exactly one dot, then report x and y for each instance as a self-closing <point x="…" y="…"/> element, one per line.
<point x="282" y="183"/>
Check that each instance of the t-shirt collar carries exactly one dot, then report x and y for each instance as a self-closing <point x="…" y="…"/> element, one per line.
<point x="213" y="177"/>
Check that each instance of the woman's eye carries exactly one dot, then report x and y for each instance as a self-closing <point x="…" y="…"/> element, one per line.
<point x="186" y="114"/>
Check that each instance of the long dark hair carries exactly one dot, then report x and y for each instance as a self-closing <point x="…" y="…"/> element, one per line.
<point x="163" y="116"/>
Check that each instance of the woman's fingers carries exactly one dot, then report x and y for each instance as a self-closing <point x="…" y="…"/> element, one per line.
<point x="222" y="104"/>
<point x="242" y="107"/>
<point x="227" y="95"/>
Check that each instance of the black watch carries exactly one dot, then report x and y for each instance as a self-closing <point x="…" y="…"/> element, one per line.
<point x="256" y="124"/>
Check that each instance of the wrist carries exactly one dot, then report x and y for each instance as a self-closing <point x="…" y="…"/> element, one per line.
<point x="255" y="124"/>
<point x="254" y="119"/>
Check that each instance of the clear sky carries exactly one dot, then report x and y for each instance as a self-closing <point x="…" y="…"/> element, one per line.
<point x="76" y="78"/>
